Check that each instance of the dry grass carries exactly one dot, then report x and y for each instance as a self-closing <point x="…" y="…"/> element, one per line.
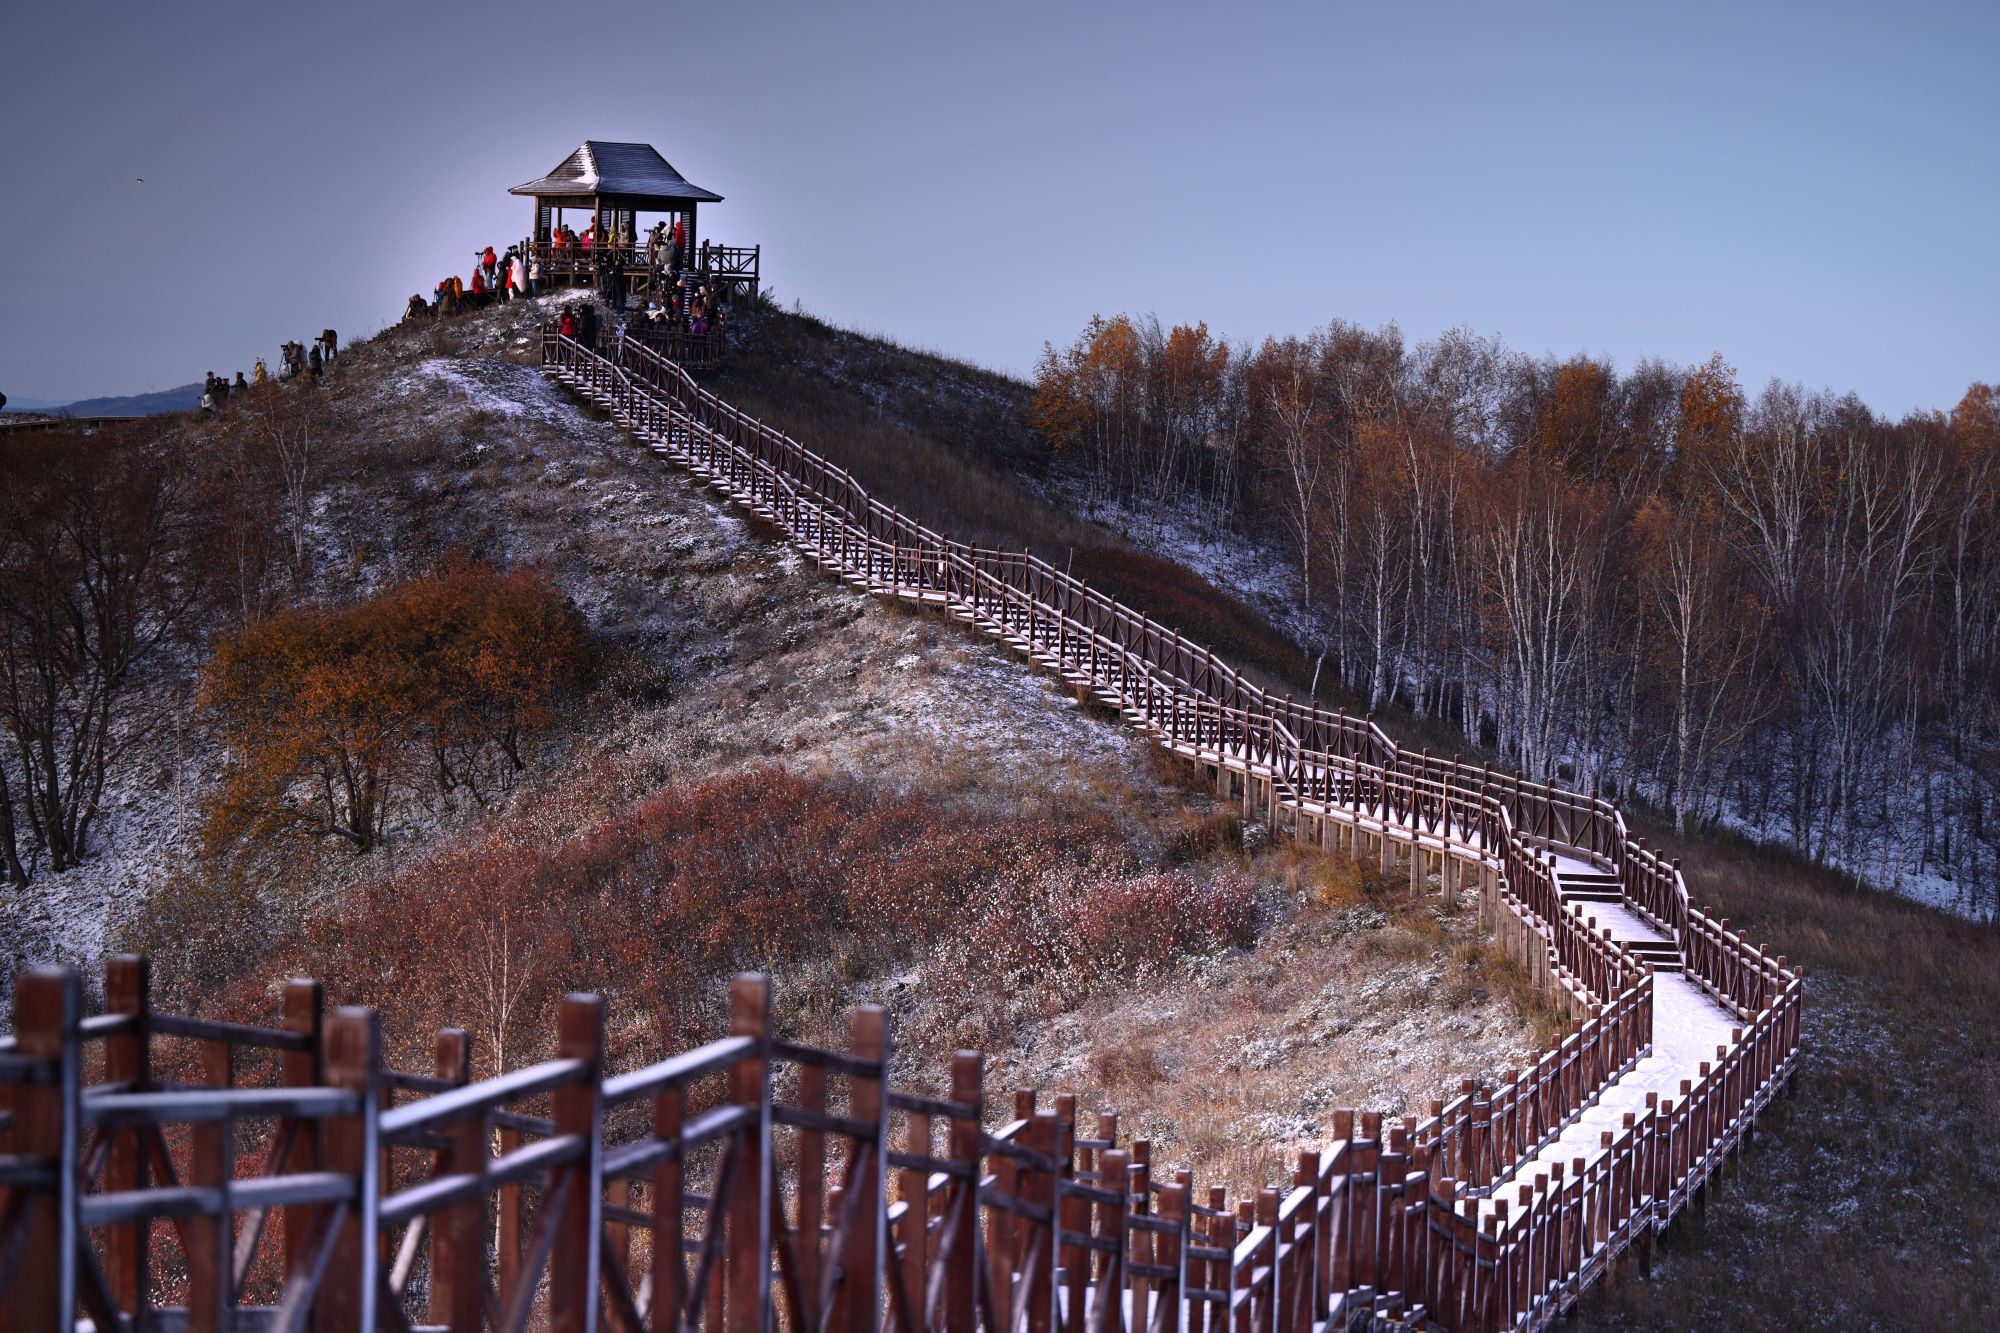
<point x="937" y="439"/>
<point x="1352" y="997"/>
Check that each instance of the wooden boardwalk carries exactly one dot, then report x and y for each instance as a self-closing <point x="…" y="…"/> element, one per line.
<point x="754" y="1185"/>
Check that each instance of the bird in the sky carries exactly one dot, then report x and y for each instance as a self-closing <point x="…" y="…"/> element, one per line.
<point x="140" y="179"/>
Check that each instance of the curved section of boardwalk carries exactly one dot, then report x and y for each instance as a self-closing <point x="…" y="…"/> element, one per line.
<point x="755" y="1185"/>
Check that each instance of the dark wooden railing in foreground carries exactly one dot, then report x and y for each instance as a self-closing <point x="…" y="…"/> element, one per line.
<point x="751" y="1184"/>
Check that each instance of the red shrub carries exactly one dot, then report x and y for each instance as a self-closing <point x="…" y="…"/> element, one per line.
<point x="765" y="870"/>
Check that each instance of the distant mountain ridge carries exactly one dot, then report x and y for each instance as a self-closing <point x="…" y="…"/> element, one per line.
<point x="185" y="398"/>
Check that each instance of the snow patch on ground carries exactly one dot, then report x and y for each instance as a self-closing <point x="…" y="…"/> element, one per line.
<point x="1259" y="573"/>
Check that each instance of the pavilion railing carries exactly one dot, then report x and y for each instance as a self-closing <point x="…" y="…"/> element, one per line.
<point x="680" y="345"/>
<point x="734" y="264"/>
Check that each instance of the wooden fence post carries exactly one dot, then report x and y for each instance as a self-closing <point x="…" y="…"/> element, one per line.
<point x="1340" y="1276"/>
<point x="867" y="1243"/>
<point x="458" y="1234"/>
<point x="1139" y="1248"/>
<point x="669" y="1263"/>
<point x="1038" y="1257"/>
<point x="913" y="1189"/>
<point x="962" y="1267"/>
<point x="1072" y="1213"/>
<point x="48" y="1007"/>
<point x="576" y="1253"/>
<point x="1109" y="1314"/>
<point x="507" y="1219"/>
<point x="352" y="1287"/>
<point x="210" y="1239"/>
<point x="304" y="1014"/>
<point x="128" y="985"/>
<point x="750" y="1189"/>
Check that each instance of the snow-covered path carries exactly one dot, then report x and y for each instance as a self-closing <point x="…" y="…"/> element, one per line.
<point x="1688" y="1027"/>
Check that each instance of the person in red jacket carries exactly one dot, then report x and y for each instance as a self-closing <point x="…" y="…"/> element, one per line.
<point x="568" y="326"/>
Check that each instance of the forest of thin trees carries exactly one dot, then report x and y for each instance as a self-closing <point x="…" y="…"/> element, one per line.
<point x="1776" y="612"/>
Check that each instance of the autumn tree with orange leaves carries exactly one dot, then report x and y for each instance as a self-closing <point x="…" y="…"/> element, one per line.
<point x="331" y="715"/>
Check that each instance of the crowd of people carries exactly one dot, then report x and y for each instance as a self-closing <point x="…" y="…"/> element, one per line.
<point x="686" y="304"/>
<point x="682" y="300"/>
<point x="295" y="360"/>
<point x="508" y="276"/>
<point x="691" y="307"/>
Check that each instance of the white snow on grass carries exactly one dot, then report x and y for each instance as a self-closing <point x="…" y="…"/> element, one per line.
<point x="490" y="385"/>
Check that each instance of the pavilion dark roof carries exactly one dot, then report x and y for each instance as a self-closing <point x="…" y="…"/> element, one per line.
<point x="633" y="170"/>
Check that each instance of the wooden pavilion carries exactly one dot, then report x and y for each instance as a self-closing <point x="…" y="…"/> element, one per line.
<point x="605" y="188"/>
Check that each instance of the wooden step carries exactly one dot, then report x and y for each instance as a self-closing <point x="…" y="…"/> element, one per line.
<point x="1664" y="955"/>
<point x="1589" y="893"/>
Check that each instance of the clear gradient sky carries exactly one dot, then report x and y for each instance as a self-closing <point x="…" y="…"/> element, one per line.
<point x="1811" y="189"/>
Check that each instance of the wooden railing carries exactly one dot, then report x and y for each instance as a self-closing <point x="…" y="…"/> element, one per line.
<point x="696" y="350"/>
<point x="303" y="1183"/>
<point x="727" y="263"/>
<point x="750" y="1184"/>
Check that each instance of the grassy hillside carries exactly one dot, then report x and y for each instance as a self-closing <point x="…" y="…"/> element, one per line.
<point x="1872" y="1194"/>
